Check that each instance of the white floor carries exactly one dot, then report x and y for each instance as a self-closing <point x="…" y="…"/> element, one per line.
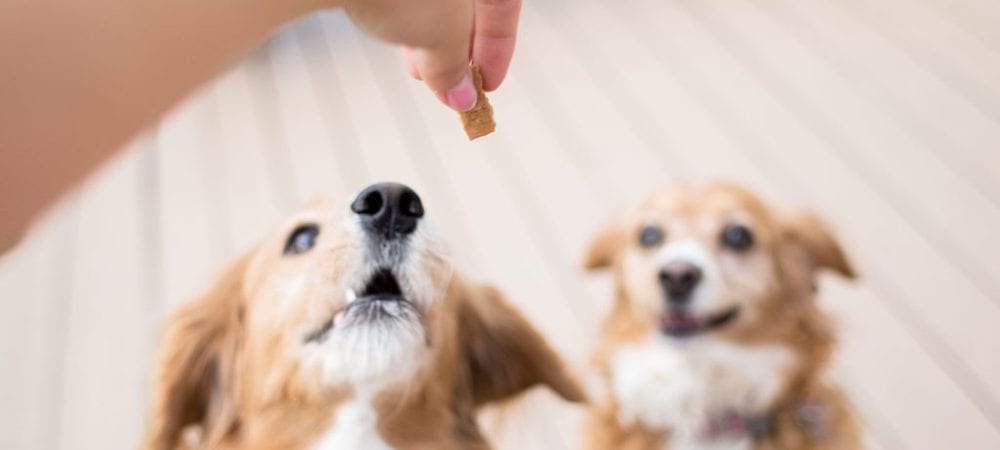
<point x="882" y="115"/>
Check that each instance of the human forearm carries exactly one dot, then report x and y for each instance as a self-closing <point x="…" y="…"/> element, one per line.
<point x="80" y="78"/>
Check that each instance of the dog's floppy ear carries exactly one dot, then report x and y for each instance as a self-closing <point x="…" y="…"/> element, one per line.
<point x="196" y="372"/>
<point x="503" y="354"/>
<point x="811" y="243"/>
<point x="606" y="246"/>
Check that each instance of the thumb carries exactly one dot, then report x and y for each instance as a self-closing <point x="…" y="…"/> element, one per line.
<point x="445" y="69"/>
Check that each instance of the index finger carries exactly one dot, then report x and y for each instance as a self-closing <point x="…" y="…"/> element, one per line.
<point x="493" y="38"/>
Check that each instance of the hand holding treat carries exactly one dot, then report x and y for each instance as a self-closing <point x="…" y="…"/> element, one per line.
<point x="437" y="36"/>
<point x="441" y="39"/>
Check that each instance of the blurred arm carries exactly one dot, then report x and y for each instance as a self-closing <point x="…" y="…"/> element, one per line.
<point x="79" y="78"/>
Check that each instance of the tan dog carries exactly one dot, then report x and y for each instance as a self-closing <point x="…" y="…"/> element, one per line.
<point x="715" y="340"/>
<point x="345" y="332"/>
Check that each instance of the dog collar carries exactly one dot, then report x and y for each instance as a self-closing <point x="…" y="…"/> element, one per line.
<point x="732" y="425"/>
<point x="809" y="416"/>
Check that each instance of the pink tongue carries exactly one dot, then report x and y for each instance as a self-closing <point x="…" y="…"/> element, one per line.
<point x="680" y="317"/>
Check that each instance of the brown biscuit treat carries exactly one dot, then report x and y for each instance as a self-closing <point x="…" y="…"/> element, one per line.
<point x="478" y="121"/>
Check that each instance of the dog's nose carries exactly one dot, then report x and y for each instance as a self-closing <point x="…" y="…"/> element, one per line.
<point x="679" y="279"/>
<point x="389" y="209"/>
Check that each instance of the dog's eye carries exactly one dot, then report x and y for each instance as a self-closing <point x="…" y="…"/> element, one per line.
<point x="301" y="240"/>
<point x="737" y="237"/>
<point x="650" y="236"/>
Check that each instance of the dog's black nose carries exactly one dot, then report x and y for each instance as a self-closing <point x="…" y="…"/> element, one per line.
<point x="679" y="279"/>
<point x="389" y="209"/>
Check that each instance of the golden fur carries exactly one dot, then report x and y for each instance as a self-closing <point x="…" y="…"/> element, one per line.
<point x="772" y="284"/>
<point x="231" y="373"/>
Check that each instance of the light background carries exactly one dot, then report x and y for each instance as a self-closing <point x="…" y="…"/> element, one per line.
<point x="884" y="116"/>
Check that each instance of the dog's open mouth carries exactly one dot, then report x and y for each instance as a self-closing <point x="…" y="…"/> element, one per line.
<point x="678" y="322"/>
<point x="381" y="286"/>
<point x="381" y="298"/>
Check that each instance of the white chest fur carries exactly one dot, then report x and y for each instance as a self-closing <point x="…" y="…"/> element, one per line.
<point x="679" y="385"/>
<point x="355" y="427"/>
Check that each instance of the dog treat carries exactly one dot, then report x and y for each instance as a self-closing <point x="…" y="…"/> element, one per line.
<point x="478" y="121"/>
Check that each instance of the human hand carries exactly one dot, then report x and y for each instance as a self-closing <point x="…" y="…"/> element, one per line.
<point x="436" y="36"/>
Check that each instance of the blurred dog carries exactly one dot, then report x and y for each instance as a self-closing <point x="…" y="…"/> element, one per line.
<point x="345" y="333"/>
<point x="715" y="340"/>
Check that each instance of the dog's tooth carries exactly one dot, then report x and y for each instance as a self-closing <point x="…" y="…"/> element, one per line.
<point x="350" y="295"/>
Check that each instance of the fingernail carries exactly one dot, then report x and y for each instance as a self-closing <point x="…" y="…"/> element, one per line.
<point x="462" y="97"/>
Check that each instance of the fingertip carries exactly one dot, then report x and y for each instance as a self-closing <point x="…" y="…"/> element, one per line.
<point x="493" y="70"/>
<point x="493" y="80"/>
<point x="463" y="96"/>
<point x="447" y="72"/>
<point x="495" y="38"/>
